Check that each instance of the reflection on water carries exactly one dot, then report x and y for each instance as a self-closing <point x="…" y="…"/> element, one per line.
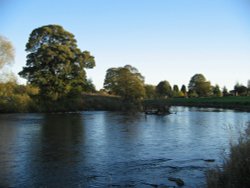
<point x="102" y="149"/>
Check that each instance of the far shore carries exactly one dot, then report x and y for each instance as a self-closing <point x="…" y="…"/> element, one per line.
<point x="99" y="102"/>
<point x="232" y="102"/>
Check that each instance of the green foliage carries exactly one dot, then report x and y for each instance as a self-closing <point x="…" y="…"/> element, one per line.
<point x="184" y="90"/>
<point x="192" y="94"/>
<point x="240" y="90"/>
<point x="216" y="91"/>
<point x="16" y="98"/>
<point x="198" y="85"/>
<point x="89" y="87"/>
<point x="225" y="92"/>
<point x="176" y="91"/>
<point x="150" y="91"/>
<point x="55" y="64"/>
<point x="163" y="89"/>
<point x="6" y="52"/>
<point x="248" y="88"/>
<point x="176" y="88"/>
<point x="126" y="82"/>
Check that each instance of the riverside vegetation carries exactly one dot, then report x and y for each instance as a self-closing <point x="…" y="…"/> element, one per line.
<point x="236" y="169"/>
<point x="57" y="82"/>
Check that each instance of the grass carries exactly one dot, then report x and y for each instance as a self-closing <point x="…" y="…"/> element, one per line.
<point x="235" y="171"/>
<point x="232" y="102"/>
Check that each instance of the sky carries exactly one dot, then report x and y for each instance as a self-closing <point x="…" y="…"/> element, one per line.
<point x="164" y="39"/>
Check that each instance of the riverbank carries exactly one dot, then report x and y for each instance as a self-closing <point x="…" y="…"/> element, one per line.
<point x="114" y="103"/>
<point x="97" y="102"/>
<point x="232" y="102"/>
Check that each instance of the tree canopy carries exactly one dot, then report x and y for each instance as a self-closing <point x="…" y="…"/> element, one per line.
<point x="216" y="91"/>
<point x="126" y="82"/>
<point x="198" y="85"/>
<point x="164" y="89"/>
<point x="240" y="89"/>
<point x="184" y="90"/>
<point x="6" y="52"/>
<point x="54" y="62"/>
<point x="150" y="91"/>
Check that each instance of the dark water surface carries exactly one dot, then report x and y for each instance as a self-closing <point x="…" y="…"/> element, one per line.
<point x="111" y="149"/>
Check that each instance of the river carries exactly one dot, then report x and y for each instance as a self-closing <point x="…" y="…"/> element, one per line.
<point x="115" y="149"/>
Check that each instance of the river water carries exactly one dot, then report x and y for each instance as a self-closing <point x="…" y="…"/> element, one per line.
<point x="114" y="149"/>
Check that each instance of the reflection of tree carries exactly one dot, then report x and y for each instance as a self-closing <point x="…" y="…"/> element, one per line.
<point x="58" y="152"/>
<point x="60" y="134"/>
<point x="8" y="135"/>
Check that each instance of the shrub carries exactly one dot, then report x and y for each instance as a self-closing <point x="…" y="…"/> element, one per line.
<point x="16" y="98"/>
<point x="236" y="168"/>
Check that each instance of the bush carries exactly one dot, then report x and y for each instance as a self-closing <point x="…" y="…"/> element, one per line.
<point x="236" y="169"/>
<point x="16" y="98"/>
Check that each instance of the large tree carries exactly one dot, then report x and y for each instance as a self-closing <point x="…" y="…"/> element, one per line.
<point x="126" y="82"/>
<point x="199" y="85"/>
<point x="54" y="62"/>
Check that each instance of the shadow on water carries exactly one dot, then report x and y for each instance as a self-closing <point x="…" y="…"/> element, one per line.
<point x="58" y="151"/>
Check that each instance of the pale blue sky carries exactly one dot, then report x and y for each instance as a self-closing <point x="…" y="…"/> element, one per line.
<point x="165" y="39"/>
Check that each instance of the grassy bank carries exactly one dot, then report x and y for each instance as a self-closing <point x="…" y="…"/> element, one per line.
<point x="14" y="98"/>
<point x="237" y="103"/>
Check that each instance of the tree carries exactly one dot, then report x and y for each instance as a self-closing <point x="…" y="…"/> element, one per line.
<point x="175" y="88"/>
<point x="217" y="91"/>
<point x="163" y="89"/>
<point x="126" y="82"/>
<point x="6" y="58"/>
<point x="89" y="86"/>
<point x="248" y="87"/>
<point x="199" y="85"/>
<point x="55" y="64"/>
<point x="240" y="89"/>
<point x="184" y="90"/>
<point x="225" y="92"/>
<point x="6" y="52"/>
<point x="150" y="91"/>
<point x="176" y="91"/>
